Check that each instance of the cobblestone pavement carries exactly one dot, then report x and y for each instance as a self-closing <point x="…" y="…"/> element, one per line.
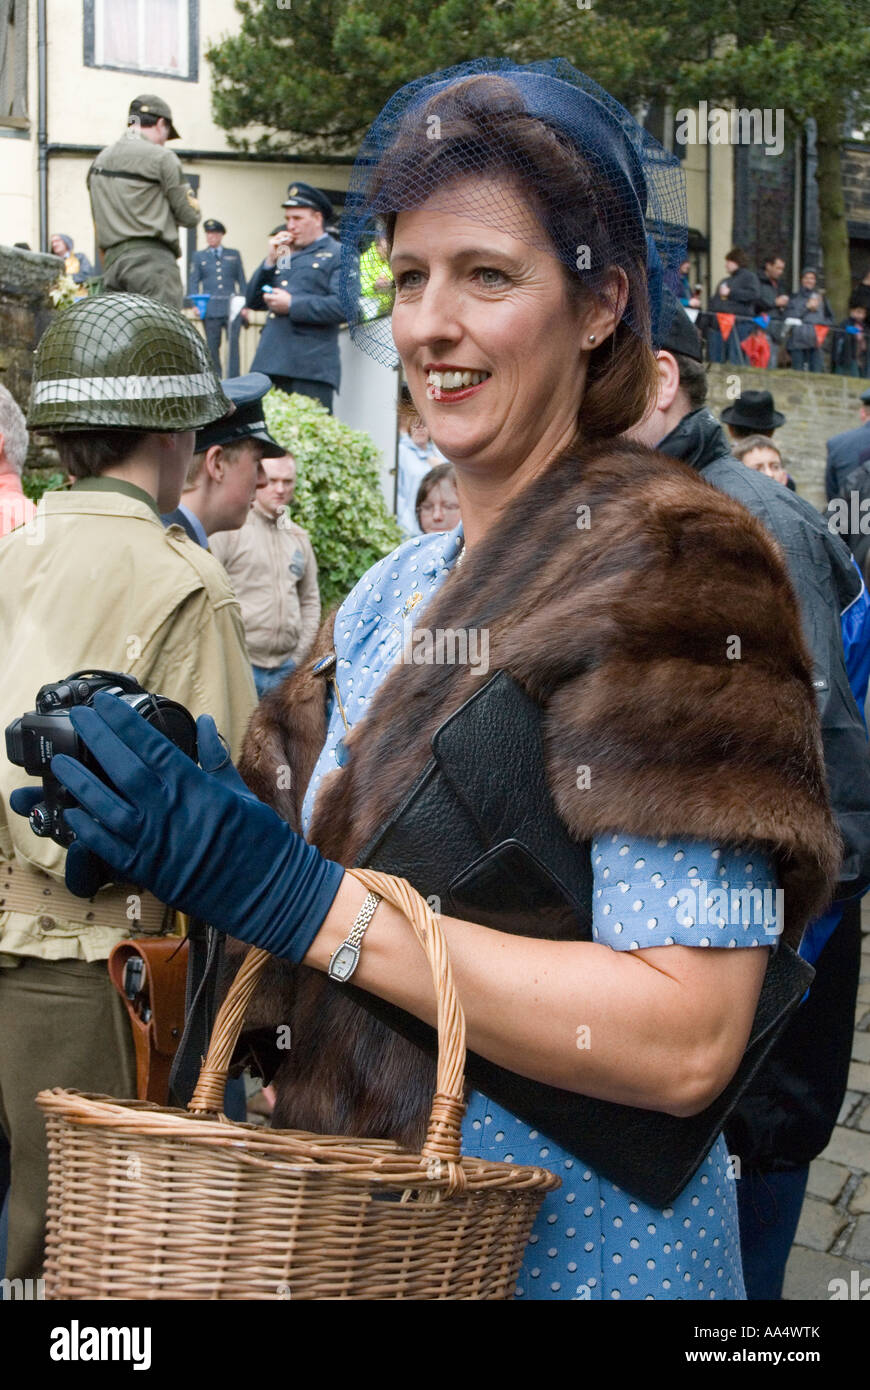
<point x="833" y="1237"/>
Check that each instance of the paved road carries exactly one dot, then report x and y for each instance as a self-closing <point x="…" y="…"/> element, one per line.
<point x="833" y="1238"/>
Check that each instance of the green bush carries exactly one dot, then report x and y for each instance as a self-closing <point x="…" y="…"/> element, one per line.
<point x="338" y="497"/>
<point x="36" y="481"/>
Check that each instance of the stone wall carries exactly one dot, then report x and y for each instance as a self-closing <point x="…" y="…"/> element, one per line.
<point x="25" y="309"/>
<point x="815" y="405"/>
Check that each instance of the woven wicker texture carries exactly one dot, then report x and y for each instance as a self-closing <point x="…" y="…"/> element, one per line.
<point x="151" y="1203"/>
<point x="457" y="140"/>
<point x="123" y="361"/>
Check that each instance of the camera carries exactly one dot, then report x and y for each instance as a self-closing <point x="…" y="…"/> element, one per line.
<point x="32" y="740"/>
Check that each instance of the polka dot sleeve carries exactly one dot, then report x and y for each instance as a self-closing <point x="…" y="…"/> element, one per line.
<point x="683" y="893"/>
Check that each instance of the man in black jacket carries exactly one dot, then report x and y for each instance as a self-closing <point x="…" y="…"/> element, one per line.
<point x="737" y="295"/>
<point x="848" y="451"/>
<point x="773" y="301"/>
<point x="786" y="1117"/>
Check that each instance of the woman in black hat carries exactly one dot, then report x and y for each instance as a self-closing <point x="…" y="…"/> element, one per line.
<point x="543" y="720"/>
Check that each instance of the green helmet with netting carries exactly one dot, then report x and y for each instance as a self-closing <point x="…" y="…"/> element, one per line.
<point x="121" y="361"/>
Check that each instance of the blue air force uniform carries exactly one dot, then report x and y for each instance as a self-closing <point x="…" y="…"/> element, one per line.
<point x="217" y="271"/>
<point x="301" y="345"/>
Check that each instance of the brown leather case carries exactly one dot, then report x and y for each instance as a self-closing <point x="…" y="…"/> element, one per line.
<point x="156" y="1037"/>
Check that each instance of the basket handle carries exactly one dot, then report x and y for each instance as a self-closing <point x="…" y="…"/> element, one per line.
<point x="444" y="1134"/>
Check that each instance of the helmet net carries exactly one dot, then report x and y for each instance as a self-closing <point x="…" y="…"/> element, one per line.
<point x="123" y="361"/>
<point x="537" y="150"/>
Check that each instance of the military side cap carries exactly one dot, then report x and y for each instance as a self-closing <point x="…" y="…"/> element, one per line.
<point x="212" y="225"/>
<point x="246" y="422"/>
<point x="302" y="195"/>
<point x="677" y="333"/>
<point x="121" y="361"/>
<point x="150" y="105"/>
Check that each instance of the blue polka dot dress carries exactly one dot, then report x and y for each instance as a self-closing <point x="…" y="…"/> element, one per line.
<point x="591" y="1240"/>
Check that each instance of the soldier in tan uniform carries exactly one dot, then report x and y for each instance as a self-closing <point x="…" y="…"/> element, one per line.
<point x="139" y="199"/>
<point x="97" y="582"/>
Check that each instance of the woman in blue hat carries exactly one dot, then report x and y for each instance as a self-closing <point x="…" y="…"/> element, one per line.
<point x="583" y="720"/>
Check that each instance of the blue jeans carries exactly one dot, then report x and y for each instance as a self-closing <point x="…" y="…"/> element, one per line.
<point x="266" y="678"/>
<point x="724" y="350"/>
<point x="807" y="359"/>
<point x="769" y="1205"/>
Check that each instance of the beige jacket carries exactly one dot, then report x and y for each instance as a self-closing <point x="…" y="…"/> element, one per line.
<point x="96" y="581"/>
<point x="273" y="571"/>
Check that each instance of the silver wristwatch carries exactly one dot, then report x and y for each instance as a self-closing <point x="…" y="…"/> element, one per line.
<point x="343" y="962"/>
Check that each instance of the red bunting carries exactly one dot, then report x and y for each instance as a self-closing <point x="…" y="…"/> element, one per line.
<point x="821" y="332"/>
<point x="726" y="323"/>
<point x="756" y="349"/>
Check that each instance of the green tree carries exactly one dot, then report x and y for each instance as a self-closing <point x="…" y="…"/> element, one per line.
<point x="314" y="74"/>
<point x="808" y="59"/>
<point x="338" y="496"/>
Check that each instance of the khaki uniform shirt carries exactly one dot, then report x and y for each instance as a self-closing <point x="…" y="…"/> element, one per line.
<point x="96" y="581"/>
<point x="138" y="189"/>
<point x="273" y="572"/>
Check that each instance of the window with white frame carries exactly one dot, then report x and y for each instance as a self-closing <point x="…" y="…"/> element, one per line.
<point x="143" y="36"/>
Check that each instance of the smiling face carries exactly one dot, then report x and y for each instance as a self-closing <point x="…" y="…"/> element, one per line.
<point x="489" y="336"/>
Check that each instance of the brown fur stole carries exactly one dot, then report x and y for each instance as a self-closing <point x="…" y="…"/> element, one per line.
<point x="613" y="590"/>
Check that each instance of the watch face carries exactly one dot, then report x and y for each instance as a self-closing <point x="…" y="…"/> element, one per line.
<point x="342" y="964"/>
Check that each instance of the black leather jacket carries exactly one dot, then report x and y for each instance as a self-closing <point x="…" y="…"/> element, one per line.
<point x="786" y="1116"/>
<point x="826" y="582"/>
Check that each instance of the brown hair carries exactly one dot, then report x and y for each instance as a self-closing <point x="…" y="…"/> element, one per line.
<point x="484" y="127"/>
<point x="738" y="255"/>
<point x="88" y="453"/>
<point x="230" y="452"/>
<point x="742" y="447"/>
<point x="693" y="379"/>
<point x="441" y="473"/>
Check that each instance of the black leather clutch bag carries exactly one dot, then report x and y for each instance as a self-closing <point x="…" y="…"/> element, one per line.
<point x="478" y="829"/>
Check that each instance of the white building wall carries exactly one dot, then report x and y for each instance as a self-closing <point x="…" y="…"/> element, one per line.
<point x="368" y="400"/>
<point x="87" y="106"/>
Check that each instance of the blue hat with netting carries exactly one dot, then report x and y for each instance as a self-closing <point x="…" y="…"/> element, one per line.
<point x="470" y="138"/>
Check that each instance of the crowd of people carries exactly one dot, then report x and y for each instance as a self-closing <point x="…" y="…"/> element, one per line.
<point x="752" y="319"/>
<point x="560" y="479"/>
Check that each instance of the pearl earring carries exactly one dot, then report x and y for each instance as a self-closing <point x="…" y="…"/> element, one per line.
<point x="592" y="337"/>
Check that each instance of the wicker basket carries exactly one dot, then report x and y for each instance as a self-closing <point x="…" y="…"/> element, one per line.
<point x="151" y="1203"/>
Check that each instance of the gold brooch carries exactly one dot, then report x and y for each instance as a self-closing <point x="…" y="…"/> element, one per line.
<point x="412" y="602"/>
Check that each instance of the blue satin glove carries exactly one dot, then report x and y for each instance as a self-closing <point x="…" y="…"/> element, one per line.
<point x="198" y="840"/>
